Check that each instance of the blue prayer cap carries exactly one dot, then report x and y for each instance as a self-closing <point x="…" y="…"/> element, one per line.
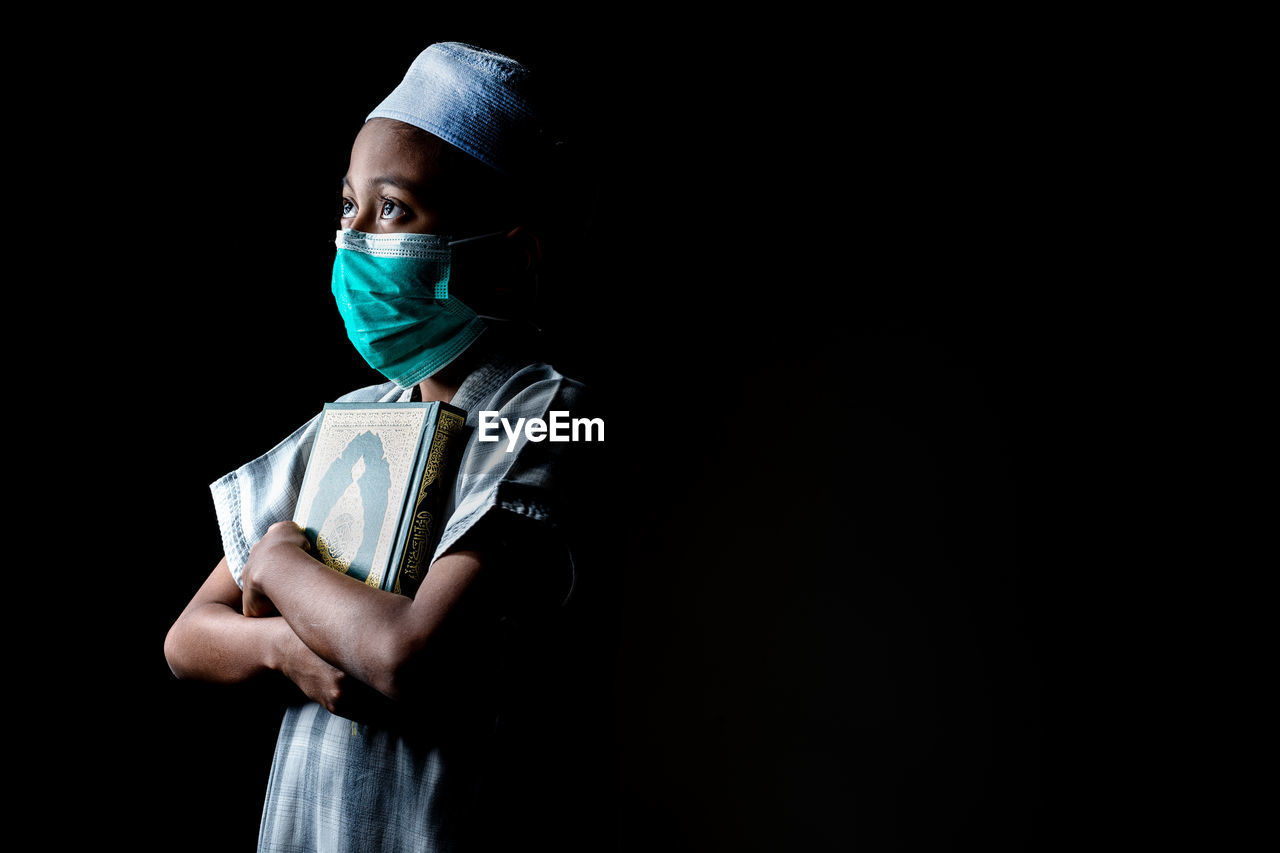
<point x="474" y="99"/>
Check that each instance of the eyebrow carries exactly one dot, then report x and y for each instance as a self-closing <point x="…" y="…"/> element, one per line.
<point x="384" y="179"/>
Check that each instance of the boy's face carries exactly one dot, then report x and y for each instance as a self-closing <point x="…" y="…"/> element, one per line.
<point x="403" y="180"/>
<point x="397" y="182"/>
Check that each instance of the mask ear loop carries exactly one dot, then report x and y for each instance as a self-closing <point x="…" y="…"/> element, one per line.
<point x="478" y="237"/>
<point x="525" y="320"/>
<point x="536" y="281"/>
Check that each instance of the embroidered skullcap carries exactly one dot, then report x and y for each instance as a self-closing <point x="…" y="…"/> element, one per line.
<point x="474" y="99"/>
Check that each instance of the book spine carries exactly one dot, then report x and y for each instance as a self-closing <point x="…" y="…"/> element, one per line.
<point x="425" y="520"/>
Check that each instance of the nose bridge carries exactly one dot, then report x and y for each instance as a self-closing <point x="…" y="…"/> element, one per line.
<point x="364" y="219"/>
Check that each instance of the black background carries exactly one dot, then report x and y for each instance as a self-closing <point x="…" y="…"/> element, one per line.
<point x="815" y="295"/>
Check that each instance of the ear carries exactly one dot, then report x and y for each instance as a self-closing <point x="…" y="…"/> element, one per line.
<point x="526" y="244"/>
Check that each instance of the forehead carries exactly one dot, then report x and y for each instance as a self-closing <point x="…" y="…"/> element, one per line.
<point x="388" y="148"/>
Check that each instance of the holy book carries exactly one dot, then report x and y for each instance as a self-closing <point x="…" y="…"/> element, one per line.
<point x="375" y="489"/>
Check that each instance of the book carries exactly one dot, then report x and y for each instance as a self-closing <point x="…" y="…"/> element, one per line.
<point x="374" y="490"/>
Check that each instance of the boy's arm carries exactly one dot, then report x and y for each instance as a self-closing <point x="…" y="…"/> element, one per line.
<point x="213" y="641"/>
<point x="371" y="634"/>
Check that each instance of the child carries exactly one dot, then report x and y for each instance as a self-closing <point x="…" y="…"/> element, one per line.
<point x="432" y="722"/>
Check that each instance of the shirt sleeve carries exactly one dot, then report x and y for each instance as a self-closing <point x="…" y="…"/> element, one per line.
<point x="256" y="495"/>
<point x="516" y="474"/>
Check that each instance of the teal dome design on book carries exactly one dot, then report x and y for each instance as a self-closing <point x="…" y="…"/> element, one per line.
<point x="350" y="504"/>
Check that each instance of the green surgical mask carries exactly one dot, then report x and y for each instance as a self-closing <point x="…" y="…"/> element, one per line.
<point x="393" y="293"/>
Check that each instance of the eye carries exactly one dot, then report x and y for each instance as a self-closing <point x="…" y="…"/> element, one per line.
<point x="348" y="208"/>
<point x="391" y="210"/>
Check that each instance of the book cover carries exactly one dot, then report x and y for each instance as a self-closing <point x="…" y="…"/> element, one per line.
<point x="375" y="487"/>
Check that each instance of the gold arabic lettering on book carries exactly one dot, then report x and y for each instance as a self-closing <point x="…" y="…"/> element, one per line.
<point x="422" y="532"/>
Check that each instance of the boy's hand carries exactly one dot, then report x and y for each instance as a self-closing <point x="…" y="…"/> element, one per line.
<point x="322" y="683"/>
<point x="281" y="540"/>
